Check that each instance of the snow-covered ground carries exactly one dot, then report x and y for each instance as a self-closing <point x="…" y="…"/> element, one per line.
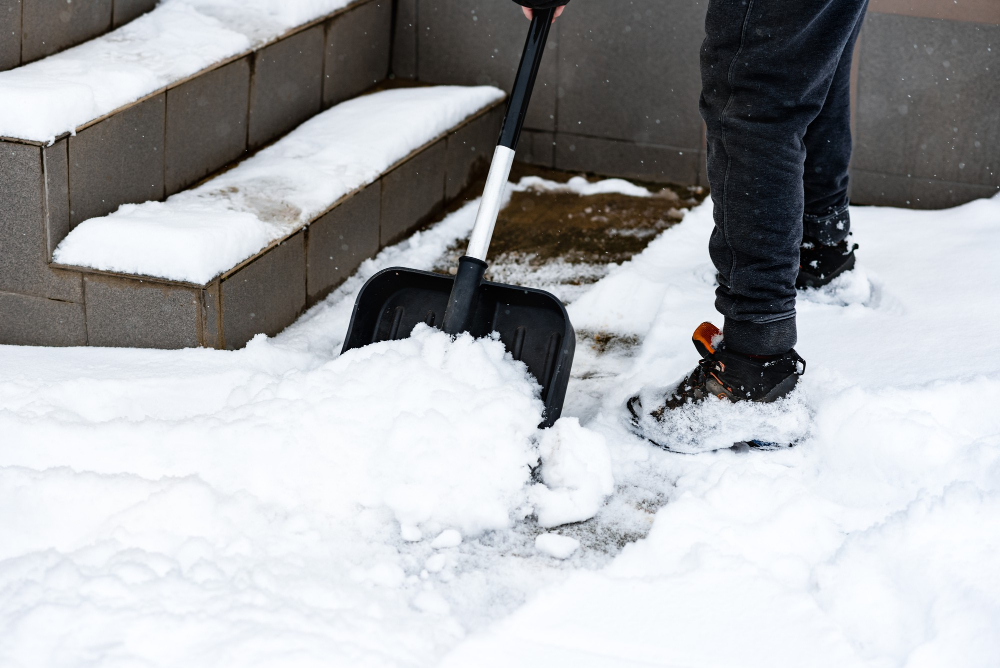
<point x="286" y="506"/>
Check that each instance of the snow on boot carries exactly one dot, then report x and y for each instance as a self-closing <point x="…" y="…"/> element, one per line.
<point x="721" y="374"/>
<point x="819" y="264"/>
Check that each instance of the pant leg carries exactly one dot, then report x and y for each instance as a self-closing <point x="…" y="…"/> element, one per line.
<point x="767" y="67"/>
<point x="828" y="155"/>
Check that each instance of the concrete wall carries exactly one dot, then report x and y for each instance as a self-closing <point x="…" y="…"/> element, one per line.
<point x="618" y="91"/>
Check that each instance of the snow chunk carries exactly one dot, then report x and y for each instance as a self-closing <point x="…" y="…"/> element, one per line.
<point x="556" y="546"/>
<point x="198" y="234"/>
<point x="582" y="186"/>
<point x="576" y="470"/>
<point x="447" y="538"/>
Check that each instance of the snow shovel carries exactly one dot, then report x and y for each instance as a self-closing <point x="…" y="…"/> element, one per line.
<point x="532" y="324"/>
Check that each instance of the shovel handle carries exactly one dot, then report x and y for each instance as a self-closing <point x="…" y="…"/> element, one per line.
<point x="513" y="121"/>
<point x="524" y="82"/>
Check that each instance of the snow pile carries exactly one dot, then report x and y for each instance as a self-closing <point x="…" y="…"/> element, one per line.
<point x="197" y="234"/>
<point x="179" y="38"/>
<point x="576" y="470"/>
<point x="274" y="505"/>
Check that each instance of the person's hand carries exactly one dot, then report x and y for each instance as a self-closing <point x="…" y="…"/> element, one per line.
<point x="530" y="14"/>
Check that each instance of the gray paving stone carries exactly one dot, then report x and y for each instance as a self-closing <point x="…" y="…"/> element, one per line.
<point x="48" y="26"/>
<point x="927" y="99"/>
<point x="118" y="160"/>
<point x="474" y="42"/>
<point x="404" y="46"/>
<point x="358" y="44"/>
<point x="339" y="241"/>
<point x="126" y="10"/>
<point x="537" y="148"/>
<point x="412" y="192"/>
<point x="24" y="267"/>
<point x="37" y="321"/>
<point x="913" y="192"/>
<point x="56" y="168"/>
<point x="286" y="85"/>
<point x="124" y="312"/>
<point x="266" y="295"/>
<point x="206" y="124"/>
<point x="630" y="71"/>
<point x="662" y="164"/>
<point x="10" y="34"/>
<point x="470" y="150"/>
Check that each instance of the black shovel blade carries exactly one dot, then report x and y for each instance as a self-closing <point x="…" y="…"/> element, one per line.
<point x="532" y="324"/>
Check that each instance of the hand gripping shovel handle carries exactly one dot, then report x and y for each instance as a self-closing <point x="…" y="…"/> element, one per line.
<point x="472" y="266"/>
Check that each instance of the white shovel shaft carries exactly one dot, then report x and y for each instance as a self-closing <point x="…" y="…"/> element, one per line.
<point x="489" y="209"/>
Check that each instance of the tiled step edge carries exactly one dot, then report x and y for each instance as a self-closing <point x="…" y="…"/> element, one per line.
<point x="166" y="142"/>
<point x="34" y="30"/>
<point x="319" y="202"/>
<point x="178" y="40"/>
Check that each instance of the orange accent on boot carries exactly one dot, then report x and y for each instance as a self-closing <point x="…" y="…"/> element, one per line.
<point x="708" y="335"/>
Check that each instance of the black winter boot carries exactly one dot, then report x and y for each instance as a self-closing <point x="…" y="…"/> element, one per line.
<point x="727" y="375"/>
<point x="819" y="264"/>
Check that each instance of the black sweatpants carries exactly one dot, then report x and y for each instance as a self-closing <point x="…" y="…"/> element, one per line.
<point x="776" y="103"/>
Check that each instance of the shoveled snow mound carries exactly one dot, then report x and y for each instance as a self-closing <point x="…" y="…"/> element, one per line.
<point x="197" y="234"/>
<point x="234" y="538"/>
<point x="47" y="98"/>
<point x="278" y="505"/>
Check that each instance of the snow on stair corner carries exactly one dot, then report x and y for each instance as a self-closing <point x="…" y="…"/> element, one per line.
<point x="59" y="94"/>
<point x="198" y="234"/>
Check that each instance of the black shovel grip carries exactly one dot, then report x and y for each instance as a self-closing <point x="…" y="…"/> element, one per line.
<point x="524" y="82"/>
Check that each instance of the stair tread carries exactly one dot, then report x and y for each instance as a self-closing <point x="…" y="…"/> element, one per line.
<point x="201" y="233"/>
<point x="179" y="38"/>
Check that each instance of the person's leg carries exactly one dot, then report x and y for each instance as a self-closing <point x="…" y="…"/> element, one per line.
<point x="767" y="68"/>
<point x="828" y="154"/>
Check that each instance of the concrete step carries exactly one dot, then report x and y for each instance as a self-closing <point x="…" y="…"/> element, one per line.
<point x="248" y="250"/>
<point x="153" y="107"/>
<point x="33" y="29"/>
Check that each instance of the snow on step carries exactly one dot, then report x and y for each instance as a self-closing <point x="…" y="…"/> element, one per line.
<point x="197" y="234"/>
<point x="58" y="94"/>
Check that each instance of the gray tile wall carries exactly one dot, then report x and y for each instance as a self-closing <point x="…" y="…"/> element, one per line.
<point x="286" y="85"/>
<point x="470" y="151"/>
<point x="129" y="313"/>
<point x="404" y="48"/>
<point x="117" y="160"/>
<point x="55" y="163"/>
<point x="339" y="241"/>
<point x="126" y="10"/>
<point x="928" y="111"/>
<point x="10" y="34"/>
<point x="473" y="42"/>
<point x="412" y="192"/>
<point x="358" y="44"/>
<point x="48" y="26"/>
<point x="206" y="124"/>
<point x="619" y="88"/>
<point x="266" y="294"/>
<point x="25" y="268"/>
<point x="39" y="321"/>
